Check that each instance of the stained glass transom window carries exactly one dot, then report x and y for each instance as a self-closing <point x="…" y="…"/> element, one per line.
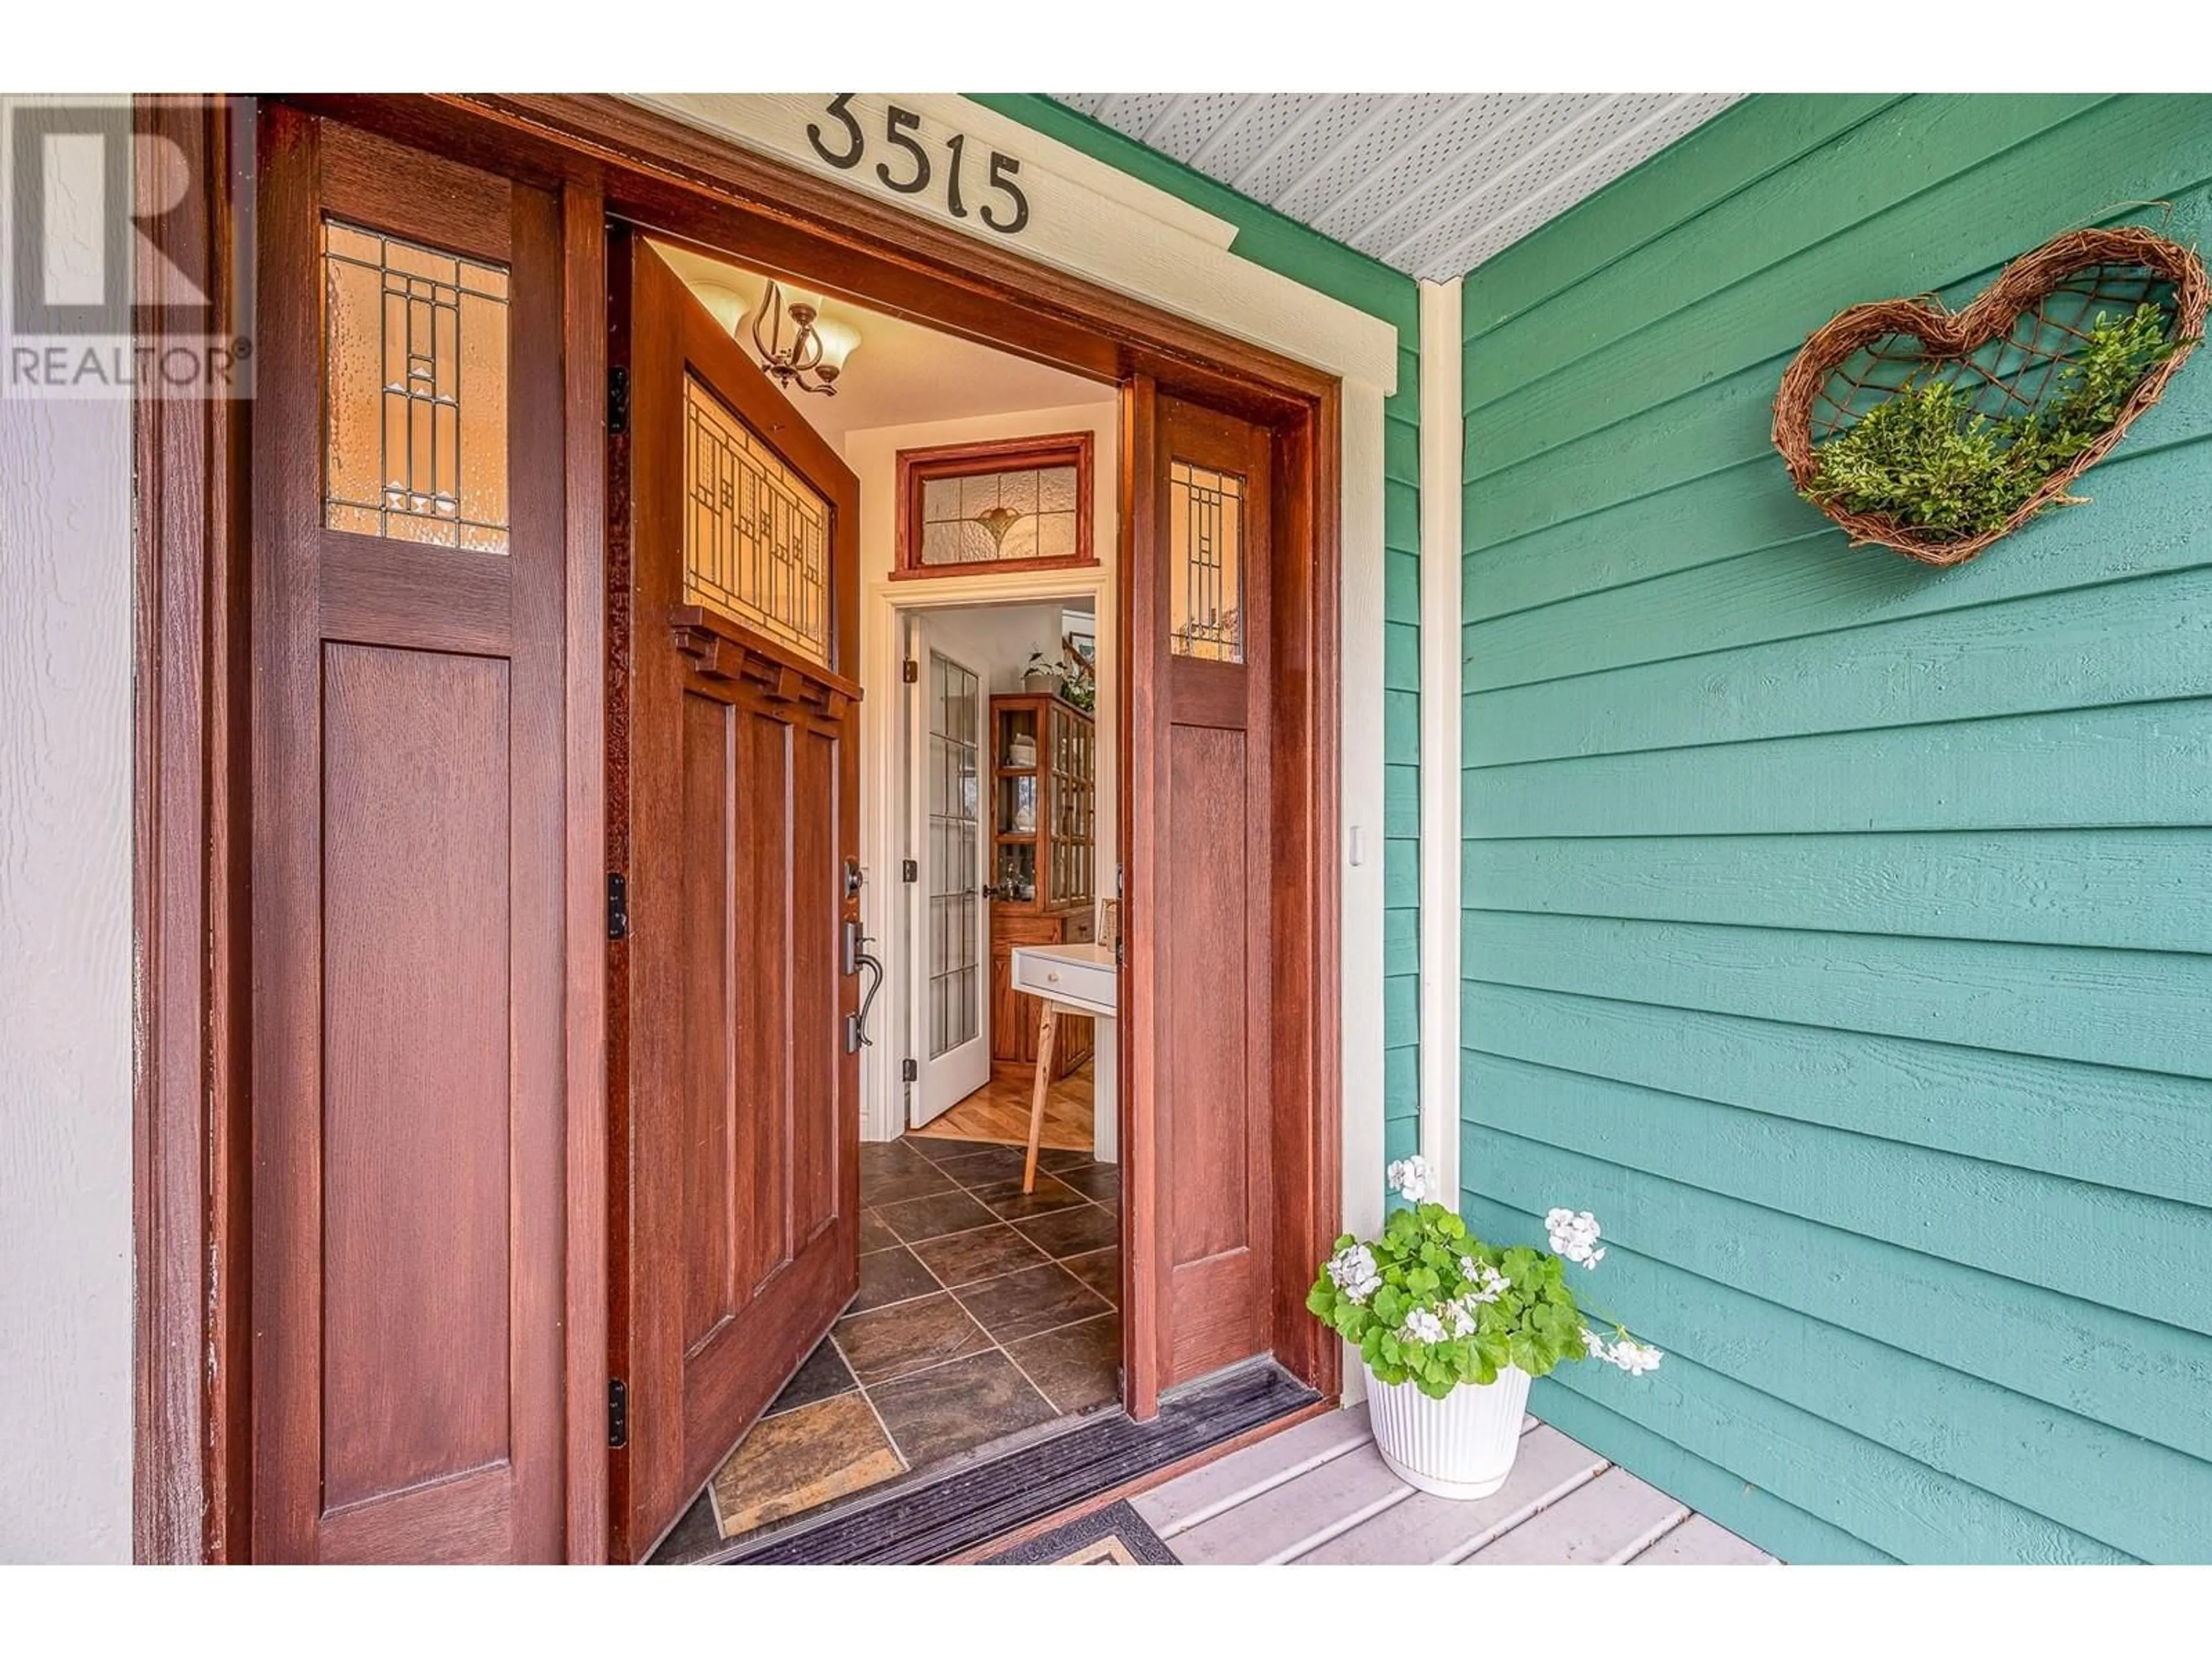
<point x="756" y="534"/>
<point x="1206" y="564"/>
<point x="415" y="388"/>
<point x="996" y="517"/>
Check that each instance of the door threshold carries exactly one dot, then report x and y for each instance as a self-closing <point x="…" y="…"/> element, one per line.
<point x="942" y="1514"/>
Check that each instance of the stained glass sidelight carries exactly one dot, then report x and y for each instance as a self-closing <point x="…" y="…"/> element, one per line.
<point x="956" y="715"/>
<point x="415" y="369"/>
<point x="1206" y="563"/>
<point x="756" y="534"/>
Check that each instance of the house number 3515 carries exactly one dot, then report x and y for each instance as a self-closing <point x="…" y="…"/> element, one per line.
<point x="911" y="166"/>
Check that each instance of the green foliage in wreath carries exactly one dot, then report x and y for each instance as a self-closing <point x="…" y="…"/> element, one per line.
<point x="1924" y="458"/>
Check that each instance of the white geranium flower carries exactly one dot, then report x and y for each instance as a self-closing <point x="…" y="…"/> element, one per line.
<point x="1594" y="1345"/>
<point x="1422" y="1326"/>
<point x="1412" y="1178"/>
<point x="1574" y="1235"/>
<point x="1462" y="1318"/>
<point x="1484" y="1282"/>
<point x="1353" y="1271"/>
<point x="1638" y="1358"/>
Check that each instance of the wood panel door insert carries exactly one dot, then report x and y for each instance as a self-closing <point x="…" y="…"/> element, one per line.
<point x="1197" y="1054"/>
<point x="734" y="813"/>
<point x="407" y="739"/>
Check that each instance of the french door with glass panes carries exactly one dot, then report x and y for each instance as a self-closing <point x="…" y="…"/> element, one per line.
<point x="950" y="1005"/>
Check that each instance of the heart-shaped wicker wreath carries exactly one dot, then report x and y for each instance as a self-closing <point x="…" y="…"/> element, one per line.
<point x="2005" y="353"/>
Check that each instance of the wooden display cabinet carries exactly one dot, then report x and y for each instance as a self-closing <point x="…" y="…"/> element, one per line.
<point x="1044" y="755"/>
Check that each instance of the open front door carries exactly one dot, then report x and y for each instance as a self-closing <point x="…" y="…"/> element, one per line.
<point x="1200" y="1033"/>
<point x="733" y="814"/>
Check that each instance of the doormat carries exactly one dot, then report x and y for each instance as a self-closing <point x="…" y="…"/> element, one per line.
<point x="1116" y="1536"/>
<point x="934" y="1517"/>
<point x="800" y="1460"/>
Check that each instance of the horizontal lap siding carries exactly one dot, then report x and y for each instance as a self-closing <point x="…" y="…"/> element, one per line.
<point x="1836" y="928"/>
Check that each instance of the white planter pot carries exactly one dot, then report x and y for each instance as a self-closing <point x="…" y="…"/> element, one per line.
<point x="1460" y="1446"/>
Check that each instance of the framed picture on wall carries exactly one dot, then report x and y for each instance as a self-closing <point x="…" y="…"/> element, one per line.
<point x="1078" y="633"/>
<point x="1018" y="504"/>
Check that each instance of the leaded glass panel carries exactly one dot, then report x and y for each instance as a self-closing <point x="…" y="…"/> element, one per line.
<point x="415" y="346"/>
<point x="1206" y="563"/>
<point x="756" y="534"/>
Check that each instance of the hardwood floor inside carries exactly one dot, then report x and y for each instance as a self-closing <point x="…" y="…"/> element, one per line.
<point x="1000" y="1111"/>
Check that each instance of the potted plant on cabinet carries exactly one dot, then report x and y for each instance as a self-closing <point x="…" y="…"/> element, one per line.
<point x="1452" y="1330"/>
<point x="1040" y="674"/>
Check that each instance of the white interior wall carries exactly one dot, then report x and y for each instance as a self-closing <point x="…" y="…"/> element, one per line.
<point x="996" y="639"/>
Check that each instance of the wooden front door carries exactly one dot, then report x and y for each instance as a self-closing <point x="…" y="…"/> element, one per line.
<point x="734" y="810"/>
<point x="407" y="747"/>
<point x="1199" y="1034"/>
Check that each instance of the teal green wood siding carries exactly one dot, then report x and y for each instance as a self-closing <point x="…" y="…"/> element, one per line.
<point x="1837" y="929"/>
<point x="1281" y="245"/>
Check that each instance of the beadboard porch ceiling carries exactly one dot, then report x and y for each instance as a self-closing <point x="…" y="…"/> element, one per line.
<point x="1430" y="183"/>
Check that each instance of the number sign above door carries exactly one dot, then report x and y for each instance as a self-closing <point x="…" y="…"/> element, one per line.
<point x="910" y="166"/>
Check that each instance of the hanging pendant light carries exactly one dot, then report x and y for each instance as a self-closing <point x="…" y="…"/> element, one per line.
<point x="814" y="356"/>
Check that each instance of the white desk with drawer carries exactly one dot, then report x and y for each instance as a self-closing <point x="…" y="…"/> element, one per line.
<point x="1070" y="979"/>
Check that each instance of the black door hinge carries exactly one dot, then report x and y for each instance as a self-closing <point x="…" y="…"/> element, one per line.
<point x="909" y="1071"/>
<point x="910" y="869"/>
<point x="618" y="906"/>
<point x="617" y="1412"/>
<point x="617" y="400"/>
<point x="910" y="672"/>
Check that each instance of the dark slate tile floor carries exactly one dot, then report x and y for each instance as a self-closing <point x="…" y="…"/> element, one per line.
<point x="982" y="1312"/>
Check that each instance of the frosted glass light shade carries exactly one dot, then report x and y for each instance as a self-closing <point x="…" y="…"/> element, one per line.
<point x="839" y="340"/>
<point x="726" y="304"/>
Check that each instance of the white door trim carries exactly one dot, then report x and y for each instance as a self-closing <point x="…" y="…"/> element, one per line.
<point x="891" y="910"/>
<point x="1441" y="445"/>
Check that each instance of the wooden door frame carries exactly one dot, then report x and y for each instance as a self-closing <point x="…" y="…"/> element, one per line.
<point x="605" y="157"/>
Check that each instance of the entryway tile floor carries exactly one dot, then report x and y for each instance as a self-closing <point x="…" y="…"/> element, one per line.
<point x="983" y="1312"/>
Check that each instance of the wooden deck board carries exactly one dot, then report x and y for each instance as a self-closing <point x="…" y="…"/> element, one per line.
<point x="1428" y="1529"/>
<point x="1239" y="1476"/>
<point x="1293" y="1517"/>
<point x="1698" y="1542"/>
<point x="1613" y="1518"/>
<point x="1320" y="1494"/>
